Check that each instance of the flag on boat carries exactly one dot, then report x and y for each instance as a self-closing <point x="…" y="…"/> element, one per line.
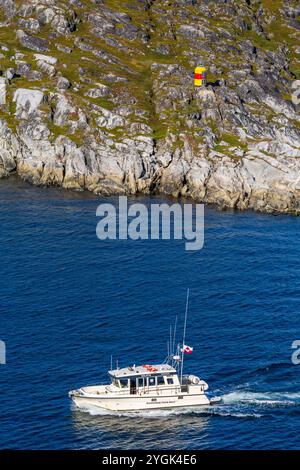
<point x="187" y="349"/>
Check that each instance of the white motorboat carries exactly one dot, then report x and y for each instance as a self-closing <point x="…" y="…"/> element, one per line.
<point x="148" y="387"/>
<point x="142" y="388"/>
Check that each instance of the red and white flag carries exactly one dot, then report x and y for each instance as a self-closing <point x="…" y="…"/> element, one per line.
<point x="187" y="349"/>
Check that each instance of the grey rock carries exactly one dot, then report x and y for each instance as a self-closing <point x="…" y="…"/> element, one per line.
<point x="2" y="91"/>
<point x="100" y="92"/>
<point x="23" y="68"/>
<point x="31" y="42"/>
<point x="30" y="24"/>
<point x="35" y="75"/>
<point x="63" y="83"/>
<point x="62" y="109"/>
<point x="10" y="73"/>
<point x="65" y="49"/>
<point x="9" y="8"/>
<point x="109" y="119"/>
<point x="27" y="102"/>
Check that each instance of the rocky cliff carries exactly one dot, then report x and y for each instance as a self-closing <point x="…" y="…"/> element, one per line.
<point x="99" y="95"/>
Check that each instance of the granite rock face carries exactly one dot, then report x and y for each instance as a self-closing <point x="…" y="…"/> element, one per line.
<point x="99" y="95"/>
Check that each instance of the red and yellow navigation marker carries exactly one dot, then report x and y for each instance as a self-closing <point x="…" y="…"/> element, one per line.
<point x="200" y="76"/>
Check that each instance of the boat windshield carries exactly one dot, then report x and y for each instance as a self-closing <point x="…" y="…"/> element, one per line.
<point x="123" y="383"/>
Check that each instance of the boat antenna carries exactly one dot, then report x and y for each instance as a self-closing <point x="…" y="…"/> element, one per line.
<point x="111" y="362"/>
<point x="184" y="331"/>
<point x="171" y="348"/>
<point x="174" y="336"/>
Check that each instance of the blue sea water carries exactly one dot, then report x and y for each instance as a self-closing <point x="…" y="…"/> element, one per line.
<point x="69" y="301"/>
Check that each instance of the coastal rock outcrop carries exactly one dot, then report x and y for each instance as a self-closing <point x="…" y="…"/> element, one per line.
<point x="2" y="91"/>
<point x="99" y="96"/>
<point x="27" y="102"/>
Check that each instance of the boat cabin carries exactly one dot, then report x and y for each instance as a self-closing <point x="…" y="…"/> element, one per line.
<point x="144" y="378"/>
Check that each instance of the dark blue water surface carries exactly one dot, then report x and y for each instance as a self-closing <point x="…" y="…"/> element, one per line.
<point x="69" y="301"/>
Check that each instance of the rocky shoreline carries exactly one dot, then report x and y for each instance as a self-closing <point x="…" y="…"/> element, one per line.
<point x="101" y="98"/>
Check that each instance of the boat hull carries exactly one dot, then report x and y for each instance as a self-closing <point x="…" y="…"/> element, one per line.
<point x="139" y="403"/>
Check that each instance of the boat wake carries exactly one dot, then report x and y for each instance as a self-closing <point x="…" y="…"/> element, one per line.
<point x="262" y="399"/>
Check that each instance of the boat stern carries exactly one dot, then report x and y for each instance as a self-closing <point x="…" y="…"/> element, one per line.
<point x="215" y="400"/>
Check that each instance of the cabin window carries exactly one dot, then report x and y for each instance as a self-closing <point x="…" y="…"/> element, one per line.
<point x="151" y="381"/>
<point x="123" y="383"/>
<point x="160" y="380"/>
<point x="170" y="381"/>
<point x="141" y="382"/>
<point x="115" y="383"/>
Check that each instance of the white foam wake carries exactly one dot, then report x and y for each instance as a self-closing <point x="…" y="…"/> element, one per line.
<point x="262" y="398"/>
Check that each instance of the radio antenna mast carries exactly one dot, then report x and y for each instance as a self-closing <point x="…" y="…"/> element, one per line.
<point x="174" y="335"/>
<point x="184" y="332"/>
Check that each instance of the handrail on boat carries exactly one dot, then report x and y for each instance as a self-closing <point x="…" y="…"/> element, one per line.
<point x="176" y="389"/>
